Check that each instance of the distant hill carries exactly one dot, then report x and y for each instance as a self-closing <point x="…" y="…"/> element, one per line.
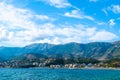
<point x="97" y="50"/>
<point x="8" y="52"/>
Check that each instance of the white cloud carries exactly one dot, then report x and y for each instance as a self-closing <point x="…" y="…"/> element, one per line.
<point x="57" y="3"/>
<point x="93" y="0"/>
<point x="16" y="20"/>
<point x="114" y="8"/>
<point x="3" y="33"/>
<point x="103" y="36"/>
<point x="42" y="17"/>
<point x="78" y="14"/>
<point x="18" y="27"/>
<point x="16" y="17"/>
<point x="105" y="11"/>
<point x="101" y="23"/>
<point x="57" y="35"/>
<point x="112" y="22"/>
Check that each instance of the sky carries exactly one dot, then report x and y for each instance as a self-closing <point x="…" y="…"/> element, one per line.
<point x="24" y="22"/>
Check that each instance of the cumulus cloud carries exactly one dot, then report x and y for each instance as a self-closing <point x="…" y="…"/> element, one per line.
<point x="19" y="27"/>
<point x="9" y="15"/>
<point x="78" y="14"/>
<point x="103" y="36"/>
<point x="57" y="35"/>
<point x="4" y="34"/>
<point x="112" y="22"/>
<point x="114" y="8"/>
<point x="57" y="3"/>
<point x="15" y="20"/>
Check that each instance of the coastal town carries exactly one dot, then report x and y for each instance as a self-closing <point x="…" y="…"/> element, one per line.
<point x="55" y="64"/>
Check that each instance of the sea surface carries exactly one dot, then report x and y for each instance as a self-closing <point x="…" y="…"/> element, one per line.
<point x="59" y="74"/>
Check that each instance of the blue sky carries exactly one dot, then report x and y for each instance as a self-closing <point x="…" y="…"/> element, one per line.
<point x="24" y="22"/>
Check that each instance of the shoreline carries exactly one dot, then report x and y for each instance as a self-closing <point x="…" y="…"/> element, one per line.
<point x="67" y="68"/>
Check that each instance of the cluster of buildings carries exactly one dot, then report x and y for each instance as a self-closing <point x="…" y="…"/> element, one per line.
<point x="43" y="63"/>
<point x="73" y="66"/>
<point x="22" y="64"/>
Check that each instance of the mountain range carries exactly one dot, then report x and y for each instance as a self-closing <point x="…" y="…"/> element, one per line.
<point x="97" y="50"/>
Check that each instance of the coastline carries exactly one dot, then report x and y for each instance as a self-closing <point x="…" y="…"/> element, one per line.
<point x="82" y="68"/>
<point x="103" y="68"/>
<point x="67" y="68"/>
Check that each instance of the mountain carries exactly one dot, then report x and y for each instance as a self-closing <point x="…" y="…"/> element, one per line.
<point x="113" y="51"/>
<point x="97" y="50"/>
<point x="29" y="56"/>
<point x="8" y="52"/>
<point x="76" y="50"/>
<point x="36" y="48"/>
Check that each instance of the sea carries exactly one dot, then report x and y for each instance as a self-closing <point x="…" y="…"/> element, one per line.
<point x="59" y="74"/>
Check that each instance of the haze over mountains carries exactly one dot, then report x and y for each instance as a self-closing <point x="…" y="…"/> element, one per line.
<point x="97" y="50"/>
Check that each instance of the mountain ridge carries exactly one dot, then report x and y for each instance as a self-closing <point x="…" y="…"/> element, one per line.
<point x="97" y="50"/>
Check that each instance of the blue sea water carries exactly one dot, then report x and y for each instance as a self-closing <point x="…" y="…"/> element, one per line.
<point x="59" y="74"/>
